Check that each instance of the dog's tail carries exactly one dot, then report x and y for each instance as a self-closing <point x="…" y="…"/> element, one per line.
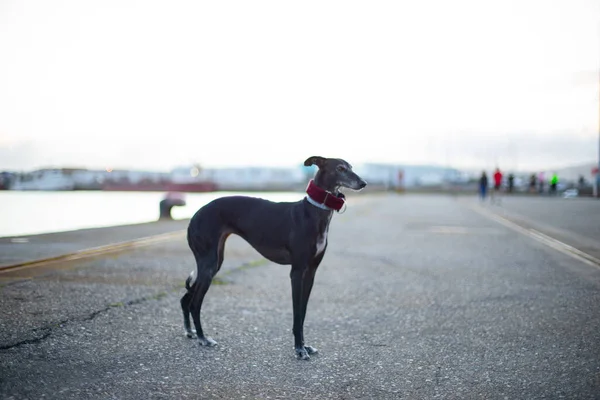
<point x="189" y="282"/>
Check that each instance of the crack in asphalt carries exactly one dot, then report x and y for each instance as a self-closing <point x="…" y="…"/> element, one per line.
<point x="47" y="332"/>
<point x="48" y="329"/>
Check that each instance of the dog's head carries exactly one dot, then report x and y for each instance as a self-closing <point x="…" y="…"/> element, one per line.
<point x="334" y="173"/>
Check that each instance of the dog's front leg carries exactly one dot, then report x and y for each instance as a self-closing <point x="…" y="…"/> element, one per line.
<point x="307" y="284"/>
<point x="299" y="276"/>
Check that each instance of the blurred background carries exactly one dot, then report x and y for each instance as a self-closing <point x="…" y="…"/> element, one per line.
<point x="109" y="105"/>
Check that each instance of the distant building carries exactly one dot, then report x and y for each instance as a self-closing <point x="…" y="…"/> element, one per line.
<point x="80" y="179"/>
<point x="394" y="176"/>
<point x="44" y="179"/>
<point x="251" y="178"/>
<point x="194" y="178"/>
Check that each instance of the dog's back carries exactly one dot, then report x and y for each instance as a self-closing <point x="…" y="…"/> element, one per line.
<point x="244" y="216"/>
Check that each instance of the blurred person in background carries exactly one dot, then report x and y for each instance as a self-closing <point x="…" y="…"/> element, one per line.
<point x="553" y="183"/>
<point x="532" y="183"/>
<point x="497" y="186"/>
<point x="483" y="185"/>
<point x="511" y="183"/>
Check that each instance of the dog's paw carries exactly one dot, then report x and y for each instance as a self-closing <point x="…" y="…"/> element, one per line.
<point x="302" y="354"/>
<point x="190" y="334"/>
<point x="311" y="350"/>
<point x="207" y="341"/>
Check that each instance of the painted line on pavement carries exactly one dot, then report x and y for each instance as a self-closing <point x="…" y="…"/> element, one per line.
<point x="542" y="238"/>
<point x="95" y="251"/>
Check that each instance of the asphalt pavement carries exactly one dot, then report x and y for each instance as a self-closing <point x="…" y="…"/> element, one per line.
<point x="418" y="297"/>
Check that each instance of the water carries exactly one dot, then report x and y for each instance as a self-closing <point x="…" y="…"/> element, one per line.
<point x="28" y="213"/>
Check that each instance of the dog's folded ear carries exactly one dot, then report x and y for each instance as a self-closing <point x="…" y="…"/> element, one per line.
<point x="314" y="160"/>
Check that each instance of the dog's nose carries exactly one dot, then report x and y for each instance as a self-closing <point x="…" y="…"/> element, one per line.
<point x="362" y="184"/>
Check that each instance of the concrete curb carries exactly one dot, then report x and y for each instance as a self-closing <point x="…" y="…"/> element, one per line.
<point x="96" y="251"/>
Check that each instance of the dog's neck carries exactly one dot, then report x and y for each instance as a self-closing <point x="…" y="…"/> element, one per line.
<point x="324" y="199"/>
<point x="321" y="181"/>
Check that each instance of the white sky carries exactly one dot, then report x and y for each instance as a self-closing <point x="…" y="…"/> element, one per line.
<point x="147" y="84"/>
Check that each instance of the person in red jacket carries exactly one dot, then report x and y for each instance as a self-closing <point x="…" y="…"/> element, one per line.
<point x="497" y="185"/>
<point x="497" y="179"/>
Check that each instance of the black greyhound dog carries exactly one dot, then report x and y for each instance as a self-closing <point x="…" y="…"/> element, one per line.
<point x="285" y="233"/>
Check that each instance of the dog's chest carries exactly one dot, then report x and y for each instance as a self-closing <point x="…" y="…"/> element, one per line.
<point x="321" y="242"/>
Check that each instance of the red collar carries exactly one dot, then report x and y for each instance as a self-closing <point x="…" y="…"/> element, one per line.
<point x="323" y="197"/>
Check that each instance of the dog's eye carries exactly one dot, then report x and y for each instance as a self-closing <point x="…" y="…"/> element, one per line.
<point x="341" y="168"/>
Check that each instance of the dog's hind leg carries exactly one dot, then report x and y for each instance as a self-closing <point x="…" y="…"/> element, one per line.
<point x="185" y="306"/>
<point x="200" y="288"/>
<point x="208" y="248"/>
